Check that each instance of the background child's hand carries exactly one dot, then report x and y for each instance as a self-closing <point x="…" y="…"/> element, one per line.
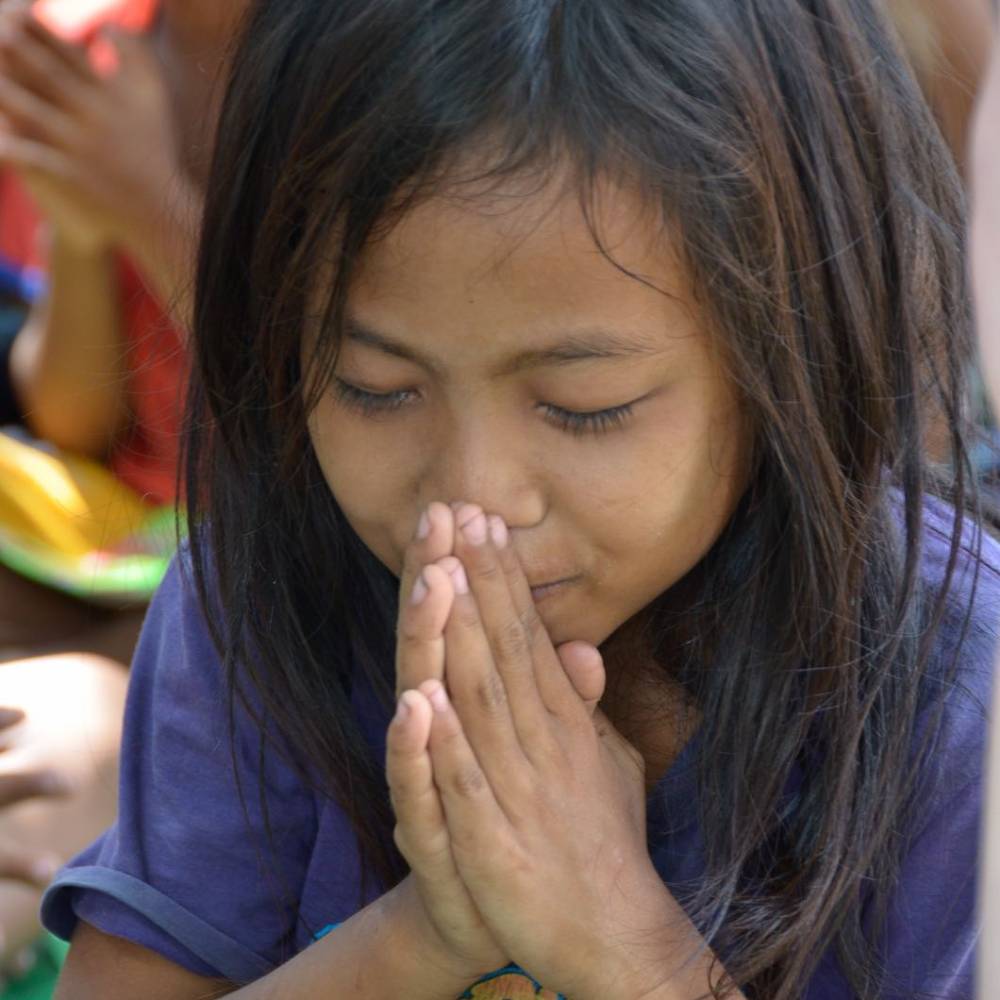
<point x="98" y="153"/>
<point x="544" y="804"/>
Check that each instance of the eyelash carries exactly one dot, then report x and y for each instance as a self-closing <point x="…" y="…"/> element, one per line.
<point x="595" y="422"/>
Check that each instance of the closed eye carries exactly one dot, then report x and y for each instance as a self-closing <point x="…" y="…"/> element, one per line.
<point x="591" y="421"/>
<point x="579" y="423"/>
<point x="371" y="404"/>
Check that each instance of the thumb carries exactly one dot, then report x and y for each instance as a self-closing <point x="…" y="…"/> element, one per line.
<point x="584" y="667"/>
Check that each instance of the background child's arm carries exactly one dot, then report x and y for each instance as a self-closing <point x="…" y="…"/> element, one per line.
<point x="67" y="364"/>
<point x="381" y="953"/>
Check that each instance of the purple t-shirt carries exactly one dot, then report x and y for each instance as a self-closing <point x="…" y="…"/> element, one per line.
<point x="188" y="872"/>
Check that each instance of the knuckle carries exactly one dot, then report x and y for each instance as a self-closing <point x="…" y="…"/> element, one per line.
<point x="485" y="569"/>
<point x="468" y="781"/>
<point x="466" y="614"/>
<point x="402" y="843"/>
<point x="491" y="695"/>
<point x="531" y="622"/>
<point x="511" y="641"/>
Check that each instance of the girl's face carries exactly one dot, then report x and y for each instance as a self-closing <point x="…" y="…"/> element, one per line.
<point x="493" y="355"/>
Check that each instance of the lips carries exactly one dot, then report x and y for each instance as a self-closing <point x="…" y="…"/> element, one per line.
<point x="543" y="590"/>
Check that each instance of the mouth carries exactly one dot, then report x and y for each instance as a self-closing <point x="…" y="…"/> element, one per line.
<point x="544" y="591"/>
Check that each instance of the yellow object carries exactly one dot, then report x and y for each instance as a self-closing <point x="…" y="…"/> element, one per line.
<point x="64" y="502"/>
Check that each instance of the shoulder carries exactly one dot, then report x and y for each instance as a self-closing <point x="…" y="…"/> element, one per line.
<point x="960" y="672"/>
<point x="969" y="575"/>
<point x="197" y="866"/>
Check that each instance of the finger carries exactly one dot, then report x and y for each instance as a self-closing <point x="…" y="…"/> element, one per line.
<point x="21" y="785"/>
<point x="39" y="70"/>
<point x="31" y="117"/>
<point x="421" y="833"/>
<point x="623" y="751"/>
<point x="10" y="717"/>
<point x="554" y="687"/>
<point x="31" y="867"/>
<point x="481" y="698"/>
<point x="433" y="539"/>
<point x="584" y="667"/>
<point x="420" y="646"/>
<point x="409" y="773"/>
<point x="73" y="57"/>
<point x="471" y="809"/>
<point x="477" y="544"/>
<point x="29" y="156"/>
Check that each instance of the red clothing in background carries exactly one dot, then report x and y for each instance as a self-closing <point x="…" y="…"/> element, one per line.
<point x="146" y="456"/>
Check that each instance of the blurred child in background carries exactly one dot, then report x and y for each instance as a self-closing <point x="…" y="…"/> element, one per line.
<point x="106" y="117"/>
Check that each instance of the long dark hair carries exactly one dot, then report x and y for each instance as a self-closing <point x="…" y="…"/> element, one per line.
<point x="819" y="216"/>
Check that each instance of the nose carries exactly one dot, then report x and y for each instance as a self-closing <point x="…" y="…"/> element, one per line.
<point x="478" y="461"/>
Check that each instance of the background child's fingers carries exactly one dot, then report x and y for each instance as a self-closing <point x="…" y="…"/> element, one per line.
<point x="39" y="70"/>
<point x="73" y="57"/>
<point x="33" y="158"/>
<point x="29" y="116"/>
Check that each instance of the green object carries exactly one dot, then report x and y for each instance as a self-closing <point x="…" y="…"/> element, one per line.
<point x="118" y="576"/>
<point x="40" y="982"/>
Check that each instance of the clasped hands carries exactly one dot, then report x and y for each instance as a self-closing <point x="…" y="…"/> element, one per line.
<point x="520" y="809"/>
<point x="98" y="152"/>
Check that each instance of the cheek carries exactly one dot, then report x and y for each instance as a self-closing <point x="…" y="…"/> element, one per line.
<point x="662" y="514"/>
<point x="370" y="482"/>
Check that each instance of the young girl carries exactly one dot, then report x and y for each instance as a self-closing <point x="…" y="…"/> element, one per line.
<point x="606" y="336"/>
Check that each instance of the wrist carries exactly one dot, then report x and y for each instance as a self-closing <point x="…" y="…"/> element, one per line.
<point x="78" y="242"/>
<point x="661" y="956"/>
<point x="452" y="974"/>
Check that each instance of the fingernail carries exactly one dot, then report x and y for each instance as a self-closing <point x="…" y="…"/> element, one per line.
<point x="420" y="591"/>
<point x="475" y="530"/>
<point x="438" y="698"/>
<point x="402" y="709"/>
<point x="498" y="531"/>
<point x="459" y="579"/>
<point x="423" y="526"/>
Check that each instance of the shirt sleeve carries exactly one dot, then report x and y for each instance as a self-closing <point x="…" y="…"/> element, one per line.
<point x="190" y="869"/>
<point x="932" y="926"/>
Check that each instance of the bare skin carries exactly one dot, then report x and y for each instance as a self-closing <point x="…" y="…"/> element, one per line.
<point x="985" y="155"/>
<point x="496" y="347"/>
<point x="116" y="163"/>
<point x="949" y="45"/>
<point x="73" y="738"/>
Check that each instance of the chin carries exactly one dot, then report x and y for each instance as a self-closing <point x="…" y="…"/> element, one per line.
<point x="576" y="625"/>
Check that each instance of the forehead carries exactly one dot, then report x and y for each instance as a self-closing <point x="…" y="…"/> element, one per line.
<point x="507" y="268"/>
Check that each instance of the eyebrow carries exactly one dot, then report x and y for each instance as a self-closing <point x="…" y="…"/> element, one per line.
<point x="588" y="345"/>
